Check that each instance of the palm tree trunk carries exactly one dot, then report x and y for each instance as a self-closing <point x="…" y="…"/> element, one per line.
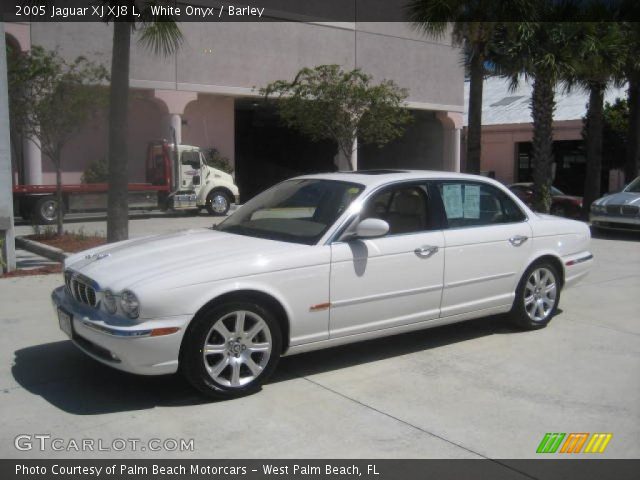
<point x="632" y="167"/>
<point x="117" y="199"/>
<point x="595" y="122"/>
<point x="542" y="107"/>
<point x="474" y="134"/>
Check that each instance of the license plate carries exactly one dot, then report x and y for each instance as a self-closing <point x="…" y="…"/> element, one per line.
<point x="64" y="319"/>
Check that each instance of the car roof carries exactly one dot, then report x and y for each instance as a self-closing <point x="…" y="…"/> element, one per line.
<point x="372" y="178"/>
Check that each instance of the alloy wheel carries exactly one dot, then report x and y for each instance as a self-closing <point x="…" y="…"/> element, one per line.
<point x="237" y="348"/>
<point x="540" y="294"/>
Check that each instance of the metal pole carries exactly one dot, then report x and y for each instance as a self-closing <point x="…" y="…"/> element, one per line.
<point x="7" y="235"/>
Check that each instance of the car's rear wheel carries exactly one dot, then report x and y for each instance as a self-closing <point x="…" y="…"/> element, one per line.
<point x="537" y="296"/>
<point x="231" y="349"/>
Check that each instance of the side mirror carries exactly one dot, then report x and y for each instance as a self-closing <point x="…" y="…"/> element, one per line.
<point x="372" y="228"/>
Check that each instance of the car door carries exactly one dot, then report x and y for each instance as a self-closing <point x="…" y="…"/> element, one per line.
<point x="488" y="242"/>
<point x="392" y="280"/>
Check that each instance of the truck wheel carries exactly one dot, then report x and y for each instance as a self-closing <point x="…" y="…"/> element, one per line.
<point x="218" y="203"/>
<point x="45" y="211"/>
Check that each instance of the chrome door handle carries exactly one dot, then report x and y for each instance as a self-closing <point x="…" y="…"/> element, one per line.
<point x="426" y="251"/>
<point x="518" y="240"/>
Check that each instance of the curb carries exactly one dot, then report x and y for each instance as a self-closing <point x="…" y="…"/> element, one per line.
<point x="52" y="253"/>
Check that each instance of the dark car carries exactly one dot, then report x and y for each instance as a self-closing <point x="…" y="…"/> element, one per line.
<point x="561" y="204"/>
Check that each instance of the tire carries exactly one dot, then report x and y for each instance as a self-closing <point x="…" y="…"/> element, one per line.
<point x="230" y="369"/>
<point x="45" y="210"/>
<point x="537" y="296"/>
<point x="218" y="202"/>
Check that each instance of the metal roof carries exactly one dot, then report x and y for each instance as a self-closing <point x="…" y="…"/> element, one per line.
<point x="503" y="106"/>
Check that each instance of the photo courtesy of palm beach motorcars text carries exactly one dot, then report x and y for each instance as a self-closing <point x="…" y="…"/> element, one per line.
<point x="319" y="239"/>
<point x="201" y="470"/>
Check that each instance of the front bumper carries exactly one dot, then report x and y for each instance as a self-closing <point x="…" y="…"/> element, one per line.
<point x="126" y="345"/>
<point x="615" y="222"/>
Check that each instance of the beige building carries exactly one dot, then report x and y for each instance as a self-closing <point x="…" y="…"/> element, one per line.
<point x="207" y="92"/>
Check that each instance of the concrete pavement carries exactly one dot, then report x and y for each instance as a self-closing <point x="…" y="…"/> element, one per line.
<point x="472" y="390"/>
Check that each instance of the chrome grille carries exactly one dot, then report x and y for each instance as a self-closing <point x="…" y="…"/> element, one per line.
<point x="80" y="289"/>
<point x="623" y="210"/>
<point x="613" y="210"/>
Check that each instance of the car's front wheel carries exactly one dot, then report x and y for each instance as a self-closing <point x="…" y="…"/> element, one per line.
<point x="537" y="296"/>
<point x="231" y="349"/>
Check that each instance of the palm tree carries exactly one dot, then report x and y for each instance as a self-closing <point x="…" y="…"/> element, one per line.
<point x="631" y="73"/>
<point x="435" y="18"/>
<point x="599" y="59"/>
<point x="160" y="35"/>
<point x="543" y="53"/>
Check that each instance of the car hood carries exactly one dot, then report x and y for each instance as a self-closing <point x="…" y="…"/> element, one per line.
<point x="208" y="253"/>
<point x="620" y="198"/>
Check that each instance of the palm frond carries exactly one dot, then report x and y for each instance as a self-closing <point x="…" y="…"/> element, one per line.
<point x="162" y="36"/>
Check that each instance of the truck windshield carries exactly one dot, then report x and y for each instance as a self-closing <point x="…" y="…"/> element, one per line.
<point x="298" y="211"/>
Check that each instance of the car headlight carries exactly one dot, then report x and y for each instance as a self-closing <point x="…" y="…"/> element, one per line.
<point x="129" y="304"/>
<point x="598" y="208"/>
<point x="109" y="302"/>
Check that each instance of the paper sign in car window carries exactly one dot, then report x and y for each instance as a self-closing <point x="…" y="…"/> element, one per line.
<point x="472" y="201"/>
<point x="452" y="198"/>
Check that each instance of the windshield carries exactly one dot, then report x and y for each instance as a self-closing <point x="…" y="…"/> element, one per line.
<point x="633" y="187"/>
<point x="299" y="211"/>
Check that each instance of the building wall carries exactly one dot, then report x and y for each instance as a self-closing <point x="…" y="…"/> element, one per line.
<point x="499" y="145"/>
<point x="147" y="122"/>
<point x="210" y="123"/>
<point x="219" y="62"/>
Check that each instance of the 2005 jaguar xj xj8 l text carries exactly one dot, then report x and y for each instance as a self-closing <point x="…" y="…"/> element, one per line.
<point x="314" y="262"/>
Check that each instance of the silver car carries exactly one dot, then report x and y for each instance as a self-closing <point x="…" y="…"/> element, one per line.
<point x="620" y="211"/>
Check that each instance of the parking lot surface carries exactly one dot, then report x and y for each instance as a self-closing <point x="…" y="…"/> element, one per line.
<point x="471" y="390"/>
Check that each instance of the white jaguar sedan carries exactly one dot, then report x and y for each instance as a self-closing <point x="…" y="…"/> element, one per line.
<point x="314" y="262"/>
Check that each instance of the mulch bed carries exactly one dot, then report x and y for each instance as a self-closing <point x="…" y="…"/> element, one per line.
<point x="69" y="242"/>
<point x="46" y="270"/>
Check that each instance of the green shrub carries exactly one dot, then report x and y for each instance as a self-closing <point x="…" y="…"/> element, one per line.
<point x="214" y="159"/>
<point x="96" y="172"/>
